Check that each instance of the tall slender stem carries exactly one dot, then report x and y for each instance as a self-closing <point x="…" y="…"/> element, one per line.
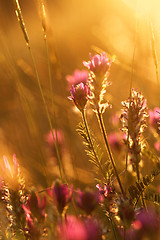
<point x="100" y="119"/>
<point x="91" y="144"/>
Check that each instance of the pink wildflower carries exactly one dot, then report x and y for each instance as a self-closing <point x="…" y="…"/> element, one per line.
<point x="99" y="64"/>
<point x="98" y="80"/>
<point x="79" y="95"/>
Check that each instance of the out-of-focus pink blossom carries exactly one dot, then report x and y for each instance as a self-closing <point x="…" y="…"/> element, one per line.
<point x="146" y="226"/>
<point x="79" y="95"/>
<point x="115" y="140"/>
<point x="87" y="200"/>
<point x="72" y="229"/>
<point x="154" y="117"/>
<point x="77" y="78"/>
<point x="10" y="170"/>
<point x="61" y="194"/>
<point x="157" y="146"/>
<point x="58" y="136"/>
<point x="99" y="64"/>
<point x="76" y="229"/>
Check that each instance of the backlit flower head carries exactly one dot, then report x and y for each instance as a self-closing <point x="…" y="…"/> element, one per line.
<point x="77" y="78"/>
<point x="79" y="95"/>
<point x="134" y="122"/>
<point x="98" y="80"/>
<point x="99" y="64"/>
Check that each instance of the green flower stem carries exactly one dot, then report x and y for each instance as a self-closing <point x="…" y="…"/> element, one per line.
<point x="101" y="123"/>
<point x="91" y="144"/>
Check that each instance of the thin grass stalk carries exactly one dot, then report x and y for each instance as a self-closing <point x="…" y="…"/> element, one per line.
<point x="44" y="27"/>
<point x="23" y="28"/>
<point x="91" y="144"/>
<point x="103" y="130"/>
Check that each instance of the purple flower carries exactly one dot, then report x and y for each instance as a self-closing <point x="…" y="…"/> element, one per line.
<point x="72" y="229"/>
<point x="99" y="64"/>
<point x="77" y="78"/>
<point x="87" y="200"/>
<point x="79" y="95"/>
<point x="61" y="194"/>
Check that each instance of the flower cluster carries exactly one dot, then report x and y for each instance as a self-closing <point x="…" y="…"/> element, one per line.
<point x="91" y="86"/>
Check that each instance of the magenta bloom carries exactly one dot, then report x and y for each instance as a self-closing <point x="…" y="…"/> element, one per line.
<point x="61" y="194"/>
<point x="99" y="64"/>
<point x="106" y="190"/>
<point x="77" y="77"/>
<point x="87" y="200"/>
<point x="72" y="229"/>
<point x="154" y="117"/>
<point x="79" y="95"/>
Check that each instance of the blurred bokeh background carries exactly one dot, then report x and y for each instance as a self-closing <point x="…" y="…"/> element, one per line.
<point x="126" y="29"/>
